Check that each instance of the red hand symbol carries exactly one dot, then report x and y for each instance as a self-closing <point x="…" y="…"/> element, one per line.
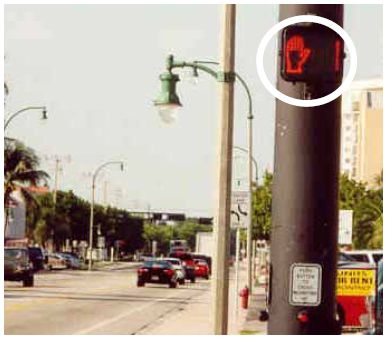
<point x="296" y="55"/>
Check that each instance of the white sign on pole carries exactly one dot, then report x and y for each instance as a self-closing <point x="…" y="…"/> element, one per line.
<point x="345" y="226"/>
<point x="240" y="197"/>
<point x="240" y="174"/>
<point x="305" y="284"/>
<point x="237" y="221"/>
<point x="240" y="202"/>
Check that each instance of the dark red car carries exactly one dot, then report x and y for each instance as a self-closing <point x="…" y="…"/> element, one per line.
<point x="157" y="272"/>
<point x="202" y="268"/>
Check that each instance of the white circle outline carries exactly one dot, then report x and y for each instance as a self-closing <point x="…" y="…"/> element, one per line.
<point x="314" y="102"/>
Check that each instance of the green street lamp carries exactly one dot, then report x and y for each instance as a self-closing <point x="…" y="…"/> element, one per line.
<point x="168" y="101"/>
<point x="9" y="119"/>
<point x="91" y="230"/>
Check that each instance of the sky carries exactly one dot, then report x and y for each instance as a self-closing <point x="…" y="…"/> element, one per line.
<point x="96" y="69"/>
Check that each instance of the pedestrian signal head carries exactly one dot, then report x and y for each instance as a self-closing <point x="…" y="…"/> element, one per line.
<point x="312" y="54"/>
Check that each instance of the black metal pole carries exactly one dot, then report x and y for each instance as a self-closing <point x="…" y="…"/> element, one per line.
<point x="305" y="200"/>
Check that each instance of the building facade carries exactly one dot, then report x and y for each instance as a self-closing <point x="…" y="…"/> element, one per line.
<point x="362" y="131"/>
<point x="16" y="227"/>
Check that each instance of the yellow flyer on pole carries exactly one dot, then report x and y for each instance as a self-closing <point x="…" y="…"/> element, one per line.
<point x="355" y="282"/>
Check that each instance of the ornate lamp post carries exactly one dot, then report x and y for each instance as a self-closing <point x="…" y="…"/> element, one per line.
<point x="92" y="207"/>
<point x="168" y="103"/>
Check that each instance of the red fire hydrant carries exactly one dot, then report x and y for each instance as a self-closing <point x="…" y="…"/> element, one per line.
<point x="244" y="294"/>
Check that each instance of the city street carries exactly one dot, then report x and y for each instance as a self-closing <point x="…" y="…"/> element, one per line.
<point x="100" y="302"/>
<point x="108" y="302"/>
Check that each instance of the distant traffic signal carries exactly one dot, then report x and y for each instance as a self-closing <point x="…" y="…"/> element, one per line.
<point x="311" y="53"/>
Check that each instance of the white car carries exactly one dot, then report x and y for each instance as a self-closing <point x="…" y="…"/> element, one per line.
<point x="177" y="265"/>
<point x="366" y="256"/>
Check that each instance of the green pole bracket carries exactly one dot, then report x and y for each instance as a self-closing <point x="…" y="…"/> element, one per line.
<point x="226" y="76"/>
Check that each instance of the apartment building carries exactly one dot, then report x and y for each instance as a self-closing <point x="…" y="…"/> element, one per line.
<point x="362" y="131"/>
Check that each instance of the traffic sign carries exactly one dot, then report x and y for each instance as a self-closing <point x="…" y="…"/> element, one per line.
<point x="311" y="53"/>
<point x="240" y="201"/>
<point x="240" y="198"/>
<point x="237" y="221"/>
<point x="345" y="226"/>
<point x="306" y="284"/>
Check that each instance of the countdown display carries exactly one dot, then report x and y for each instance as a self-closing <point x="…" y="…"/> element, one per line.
<point x="311" y="54"/>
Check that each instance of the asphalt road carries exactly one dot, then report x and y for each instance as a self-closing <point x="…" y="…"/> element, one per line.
<point x="97" y="302"/>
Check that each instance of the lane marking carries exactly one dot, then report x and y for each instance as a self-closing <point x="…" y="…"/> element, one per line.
<point x="58" y="297"/>
<point x="125" y="314"/>
<point x="114" y="319"/>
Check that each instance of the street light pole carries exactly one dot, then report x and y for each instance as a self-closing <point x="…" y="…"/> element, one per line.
<point x="251" y="267"/>
<point x="250" y="172"/>
<point x="253" y="161"/>
<point x="169" y="98"/>
<point x="9" y="119"/>
<point x="56" y="178"/>
<point x="92" y="207"/>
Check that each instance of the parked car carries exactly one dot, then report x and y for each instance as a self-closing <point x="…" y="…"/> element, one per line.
<point x="366" y="256"/>
<point x="55" y="262"/>
<point x="202" y="268"/>
<point x="17" y="266"/>
<point x="72" y="262"/>
<point x="157" y="272"/>
<point x="187" y="263"/>
<point x="73" y="254"/>
<point x="37" y="257"/>
<point x="177" y="265"/>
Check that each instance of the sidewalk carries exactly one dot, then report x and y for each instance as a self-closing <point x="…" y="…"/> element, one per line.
<point x="252" y="324"/>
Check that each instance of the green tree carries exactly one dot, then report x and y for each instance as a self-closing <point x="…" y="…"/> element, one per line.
<point x="70" y="220"/>
<point x="187" y="230"/>
<point x="262" y="205"/>
<point x="20" y="172"/>
<point x="162" y="234"/>
<point x="366" y="204"/>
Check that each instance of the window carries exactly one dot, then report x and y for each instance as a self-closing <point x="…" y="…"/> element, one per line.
<point x="374" y="99"/>
<point x="355" y="105"/>
<point x="360" y="257"/>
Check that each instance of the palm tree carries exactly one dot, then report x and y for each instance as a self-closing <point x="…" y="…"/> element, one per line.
<point x="20" y="172"/>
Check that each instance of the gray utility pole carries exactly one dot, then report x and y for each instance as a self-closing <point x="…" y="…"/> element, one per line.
<point x="305" y="202"/>
<point x="222" y="220"/>
<point x="54" y="196"/>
